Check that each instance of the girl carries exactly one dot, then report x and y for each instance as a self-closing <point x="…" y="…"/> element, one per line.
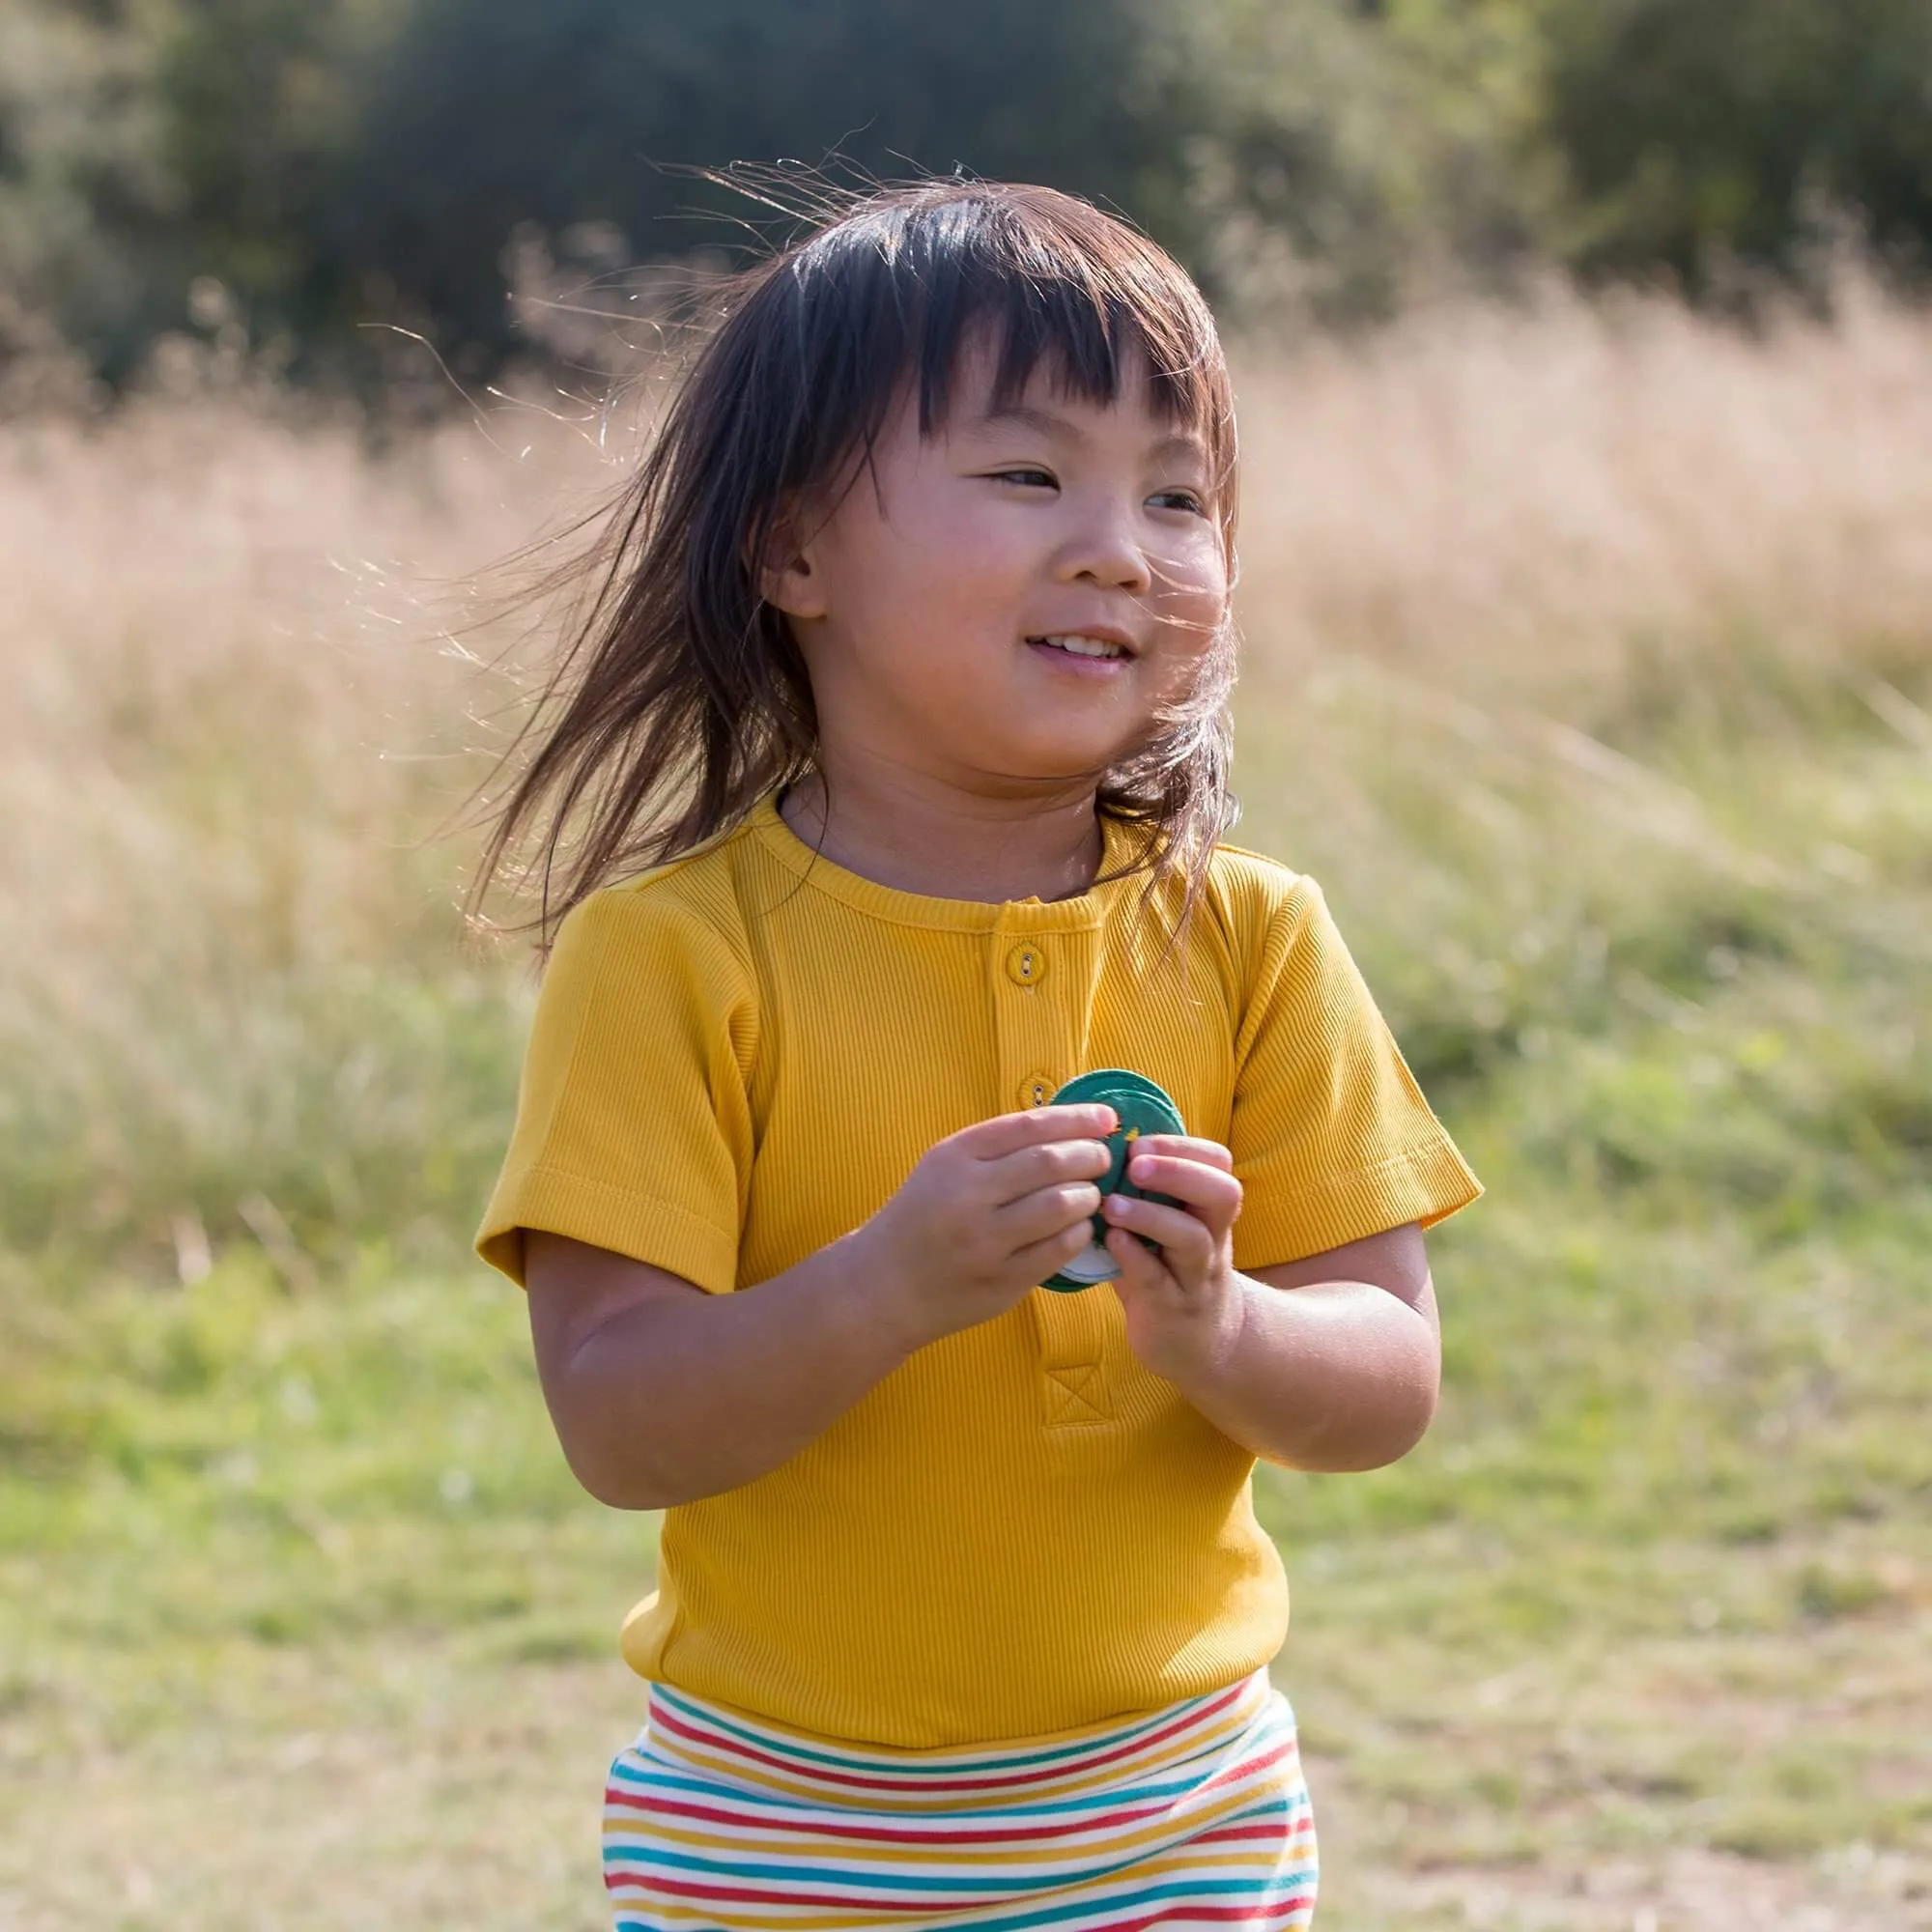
<point x="893" y="757"/>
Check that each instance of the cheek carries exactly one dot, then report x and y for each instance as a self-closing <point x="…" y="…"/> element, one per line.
<point x="974" y="548"/>
<point x="932" y="563"/>
<point x="1193" y="596"/>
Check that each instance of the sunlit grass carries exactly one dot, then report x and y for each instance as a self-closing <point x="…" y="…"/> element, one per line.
<point x="1587" y="670"/>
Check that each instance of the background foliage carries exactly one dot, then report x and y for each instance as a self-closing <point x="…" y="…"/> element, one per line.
<point x="331" y="162"/>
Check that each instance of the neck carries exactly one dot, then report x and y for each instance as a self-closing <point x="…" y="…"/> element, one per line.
<point x="916" y="835"/>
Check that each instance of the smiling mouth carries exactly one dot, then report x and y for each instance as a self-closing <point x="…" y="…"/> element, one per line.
<point x="1076" y="646"/>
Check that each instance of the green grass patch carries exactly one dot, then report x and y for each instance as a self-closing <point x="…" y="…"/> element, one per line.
<point x="1657" y="1586"/>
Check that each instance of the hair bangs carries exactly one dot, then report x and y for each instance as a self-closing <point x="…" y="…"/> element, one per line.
<point x="1054" y="287"/>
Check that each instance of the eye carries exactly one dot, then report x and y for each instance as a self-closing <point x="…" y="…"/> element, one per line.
<point x="1027" y="476"/>
<point x="1190" y="501"/>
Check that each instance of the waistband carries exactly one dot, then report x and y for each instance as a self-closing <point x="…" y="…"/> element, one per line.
<point x="718" y="1741"/>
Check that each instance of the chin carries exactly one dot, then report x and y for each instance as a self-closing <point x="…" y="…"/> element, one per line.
<point x="1062" y="760"/>
<point x="1044" y="757"/>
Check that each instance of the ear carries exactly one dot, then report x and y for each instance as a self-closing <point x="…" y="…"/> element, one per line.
<point x="789" y="575"/>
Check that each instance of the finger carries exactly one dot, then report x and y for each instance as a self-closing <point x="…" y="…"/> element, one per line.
<point x="1008" y="1133"/>
<point x="1188" y="1147"/>
<point x="1142" y="1269"/>
<point x="1034" y="1167"/>
<point x="1215" y="1196"/>
<point x="1043" y="1214"/>
<point x="1051" y="1255"/>
<point x="1184" y="1235"/>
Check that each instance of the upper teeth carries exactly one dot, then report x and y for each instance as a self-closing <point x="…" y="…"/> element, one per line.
<point x="1085" y="647"/>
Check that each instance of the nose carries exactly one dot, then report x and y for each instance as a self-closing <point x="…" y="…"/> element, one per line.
<point x="1105" y="549"/>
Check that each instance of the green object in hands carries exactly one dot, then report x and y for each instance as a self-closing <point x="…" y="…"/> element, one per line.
<point x="1140" y="1107"/>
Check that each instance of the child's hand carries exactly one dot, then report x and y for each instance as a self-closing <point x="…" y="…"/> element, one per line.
<point x="987" y="1214"/>
<point x="1184" y="1302"/>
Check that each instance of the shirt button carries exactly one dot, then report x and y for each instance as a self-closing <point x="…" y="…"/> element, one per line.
<point x="1026" y="964"/>
<point x="1038" y="1089"/>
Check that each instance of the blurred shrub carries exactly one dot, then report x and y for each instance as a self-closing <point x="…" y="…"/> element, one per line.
<point x="79" y="174"/>
<point x="1276" y="147"/>
<point x="334" y="162"/>
<point x="331" y="162"/>
<point x="260" y="118"/>
<point x="150" y="146"/>
<point x="1741" y="131"/>
<point x="491" y="113"/>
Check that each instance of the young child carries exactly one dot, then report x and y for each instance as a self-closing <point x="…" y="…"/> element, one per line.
<point x="884" y="791"/>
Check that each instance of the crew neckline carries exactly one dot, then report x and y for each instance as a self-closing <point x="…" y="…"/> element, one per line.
<point x="906" y="908"/>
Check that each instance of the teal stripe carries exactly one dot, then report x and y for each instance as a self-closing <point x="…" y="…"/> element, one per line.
<point x="914" y="1886"/>
<point x="1275" y="1888"/>
<point x="952" y="1768"/>
<point x="740" y="1794"/>
<point x="1101" y="1911"/>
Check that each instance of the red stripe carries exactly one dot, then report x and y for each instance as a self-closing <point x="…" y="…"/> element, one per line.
<point x="908" y="1782"/>
<point x="1169" y="1912"/>
<point x="1172" y="1914"/>
<point x="1005" y="1782"/>
<point x="1221" y="1914"/>
<point x="616" y="1799"/>
<point x="677" y="1887"/>
<point x="1240" y="1834"/>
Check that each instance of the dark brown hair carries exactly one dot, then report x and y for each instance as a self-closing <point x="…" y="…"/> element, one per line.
<point x="679" y="699"/>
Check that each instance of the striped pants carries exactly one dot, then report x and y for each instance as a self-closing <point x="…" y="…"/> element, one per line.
<point x="1194" y="1815"/>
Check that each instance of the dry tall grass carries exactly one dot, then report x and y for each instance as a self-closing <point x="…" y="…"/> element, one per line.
<point x="236" y="977"/>
<point x="1528" y="503"/>
<point x="235" y="723"/>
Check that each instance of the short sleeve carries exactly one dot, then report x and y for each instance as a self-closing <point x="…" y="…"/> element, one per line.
<point x="632" y="1129"/>
<point x="1332" y="1137"/>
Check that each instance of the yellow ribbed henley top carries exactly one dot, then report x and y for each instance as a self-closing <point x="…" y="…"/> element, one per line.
<point x="739" y="1057"/>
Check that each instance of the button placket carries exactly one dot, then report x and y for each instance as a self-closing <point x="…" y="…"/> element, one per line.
<point x="1040" y="987"/>
<point x="1030" y="1029"/>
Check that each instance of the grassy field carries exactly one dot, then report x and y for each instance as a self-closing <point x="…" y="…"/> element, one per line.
<point x="1589" y="668"/>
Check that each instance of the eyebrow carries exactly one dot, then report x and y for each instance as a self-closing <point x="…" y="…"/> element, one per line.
<point x="1178" y="442"/>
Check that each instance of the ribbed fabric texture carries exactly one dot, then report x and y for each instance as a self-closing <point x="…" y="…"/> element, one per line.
<point x="739" y="1058"/>
<point x="1194" y="1815"/>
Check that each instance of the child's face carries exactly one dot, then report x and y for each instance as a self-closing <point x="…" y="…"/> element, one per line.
<point x="1012" y="601"/>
